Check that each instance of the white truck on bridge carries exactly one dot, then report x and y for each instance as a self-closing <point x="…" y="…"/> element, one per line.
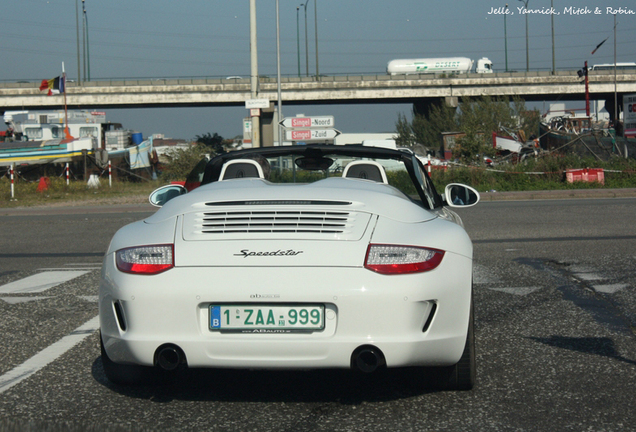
<point x="438" y="65"/>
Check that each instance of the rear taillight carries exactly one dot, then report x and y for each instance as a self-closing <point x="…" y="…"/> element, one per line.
<point x="395" y="259"/>
<point x="146" y="260"/>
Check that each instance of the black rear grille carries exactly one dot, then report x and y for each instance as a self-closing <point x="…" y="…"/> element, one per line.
<point x="284" y="221"/>
<point x="278" y="202"/>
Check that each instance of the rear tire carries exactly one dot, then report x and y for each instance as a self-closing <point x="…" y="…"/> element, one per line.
<point x="125" y="374"/>
<point x="462" y="375"/>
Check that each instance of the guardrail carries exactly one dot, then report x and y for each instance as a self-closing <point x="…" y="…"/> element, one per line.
<point x="324" y="78"/>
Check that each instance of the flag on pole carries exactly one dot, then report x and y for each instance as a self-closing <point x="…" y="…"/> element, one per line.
<point x="599" y="45"/>
<point x="54" y="85"/>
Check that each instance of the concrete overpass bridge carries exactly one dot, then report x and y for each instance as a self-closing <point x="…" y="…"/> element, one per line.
<point x="420" y="90"/>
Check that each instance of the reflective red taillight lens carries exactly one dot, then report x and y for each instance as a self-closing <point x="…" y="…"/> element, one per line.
<point x="395" y="259"/>
<point x="146" y="260"/>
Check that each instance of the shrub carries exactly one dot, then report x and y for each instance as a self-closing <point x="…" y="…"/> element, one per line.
<point x="181" y="162"/>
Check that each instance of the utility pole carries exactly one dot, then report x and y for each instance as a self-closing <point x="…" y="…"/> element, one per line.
<point x="506" y="36"/>
<point x="256" y="124"/>
<point x="87" y="56"/>
<point x="316" y="31"/>
<point x="280" y="99"/>
<point x="587" y="91"/>
<point x="306" y="43"/>
<point x="616" y="116"/>
<point x="79" y="74"/>
<point x="525" y="3"/>
<point x="298" y="37"/>
<point x="552" y="18"/>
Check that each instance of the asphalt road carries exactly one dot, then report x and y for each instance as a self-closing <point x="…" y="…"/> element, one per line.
<point x="555" y="296"/>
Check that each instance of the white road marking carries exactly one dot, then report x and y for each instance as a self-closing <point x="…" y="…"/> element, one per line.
<point x="47" y="355"/>
<point x="69" y="268"/>
<point x="92" y="299"/>
<point x="522" y="291"/>
<point x="16" y="300"/>
<point x="588" y="276"/>
<point x="578" y="268"/>
<point x="41" y="281"/>
<point x="609" y="289"/>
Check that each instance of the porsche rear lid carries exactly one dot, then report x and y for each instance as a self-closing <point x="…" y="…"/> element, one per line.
<point x="326" y="223"/>
<point x="268" y="219"/>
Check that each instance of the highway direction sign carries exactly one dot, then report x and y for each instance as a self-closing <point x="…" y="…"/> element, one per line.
<point x="257" y="103"/>
<point x="311" y="134"/>
<point x="308" y="122"/>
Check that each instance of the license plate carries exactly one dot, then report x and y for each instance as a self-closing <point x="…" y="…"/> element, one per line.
<point x="267" y="318"/>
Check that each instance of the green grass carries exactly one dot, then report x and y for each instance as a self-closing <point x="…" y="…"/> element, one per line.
<point x="26" y="193"/>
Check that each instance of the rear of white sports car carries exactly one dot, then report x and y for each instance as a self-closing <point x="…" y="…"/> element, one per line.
<point x="340" y="273"/>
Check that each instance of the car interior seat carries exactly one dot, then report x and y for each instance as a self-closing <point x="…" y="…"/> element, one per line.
<point x="366" y="170"/>
<point x="241" y="168"/>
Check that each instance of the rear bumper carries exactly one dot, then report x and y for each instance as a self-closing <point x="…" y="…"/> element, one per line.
<point x="362" y="308"/>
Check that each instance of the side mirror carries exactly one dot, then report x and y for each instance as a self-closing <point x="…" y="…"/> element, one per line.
<point x="165" y="193"/>
<point x="459" y="195"/>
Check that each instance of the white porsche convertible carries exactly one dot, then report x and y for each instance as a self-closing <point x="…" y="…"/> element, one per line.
<point x="295" y="257"/>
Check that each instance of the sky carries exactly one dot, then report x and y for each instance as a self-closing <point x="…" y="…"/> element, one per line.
<point x="210" y="38"/>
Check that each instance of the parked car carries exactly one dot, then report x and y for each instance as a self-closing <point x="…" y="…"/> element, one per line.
<point x="294" y="257"/>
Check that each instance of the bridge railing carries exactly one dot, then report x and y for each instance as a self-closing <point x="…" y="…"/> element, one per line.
<point x="302" y="79"/>
<point x="294" y="79"/>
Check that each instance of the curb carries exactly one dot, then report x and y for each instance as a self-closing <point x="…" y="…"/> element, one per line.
<point x="559" y="194"/>
<point x="86" y="209"/>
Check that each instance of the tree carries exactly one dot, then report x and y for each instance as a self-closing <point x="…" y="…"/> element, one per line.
<point x="478" y="118"/>
<point x="404" y="132"/>
<point x="425" y="130"/>
<point x="181" y="161"/>
<point x="213" y="142"/>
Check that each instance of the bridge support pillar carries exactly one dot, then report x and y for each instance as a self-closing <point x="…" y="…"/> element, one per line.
<point x="609" y="106"/>
<point x="267" y="126"/>
<point x="423" y="106"/>
<point x="451" y="101"/>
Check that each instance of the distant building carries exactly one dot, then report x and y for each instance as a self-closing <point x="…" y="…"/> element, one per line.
<point x="163" y="145"/>
<point x="357" y="138"/>
<point x="597" y="111"/>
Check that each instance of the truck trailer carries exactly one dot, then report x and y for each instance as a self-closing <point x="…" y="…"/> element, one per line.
<point x="438" y="65"/>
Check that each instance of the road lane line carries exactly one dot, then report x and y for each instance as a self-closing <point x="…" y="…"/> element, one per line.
<point x="69" y="268"/>
<point x="521" y="291"/>
<point x="18" y="300"/>
<point x="588" y="276"/>
<point x="609" y="289"/>
<point x="41" y="281"/>
<point x="48" y="355"/>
